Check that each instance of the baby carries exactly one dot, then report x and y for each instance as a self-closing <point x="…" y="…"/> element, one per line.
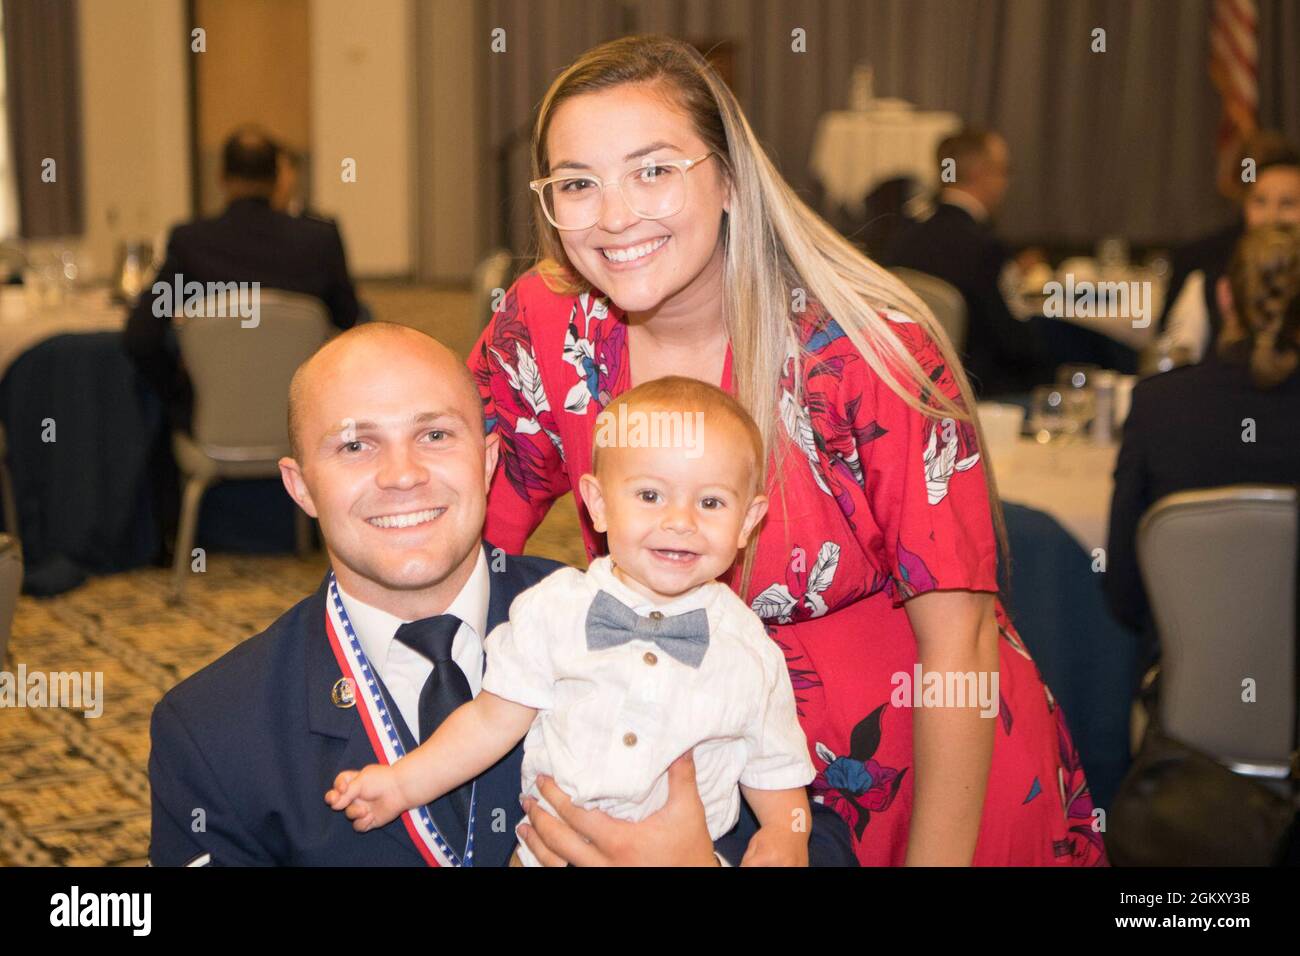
<point x="615" y="672"/>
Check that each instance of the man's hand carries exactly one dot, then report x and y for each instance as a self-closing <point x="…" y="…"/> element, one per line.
<point x="777" y="846"/>
<point x="371" y="798"/>
<point x="674" y="835"/>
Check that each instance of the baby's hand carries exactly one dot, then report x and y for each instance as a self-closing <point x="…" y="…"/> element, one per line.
<point x="372" y="798"/>
<point x="776" y="846"/>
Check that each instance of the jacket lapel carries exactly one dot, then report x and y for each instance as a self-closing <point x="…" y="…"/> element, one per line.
<point x="500" y="590"/>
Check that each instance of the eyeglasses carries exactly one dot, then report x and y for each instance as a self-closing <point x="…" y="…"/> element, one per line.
<point x="655" y="190"/>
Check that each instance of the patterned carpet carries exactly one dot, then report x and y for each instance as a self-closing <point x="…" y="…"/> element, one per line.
<point x="74" y="791"/>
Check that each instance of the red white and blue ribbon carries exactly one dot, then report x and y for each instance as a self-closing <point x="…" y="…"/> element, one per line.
<point x="384" y="738"/>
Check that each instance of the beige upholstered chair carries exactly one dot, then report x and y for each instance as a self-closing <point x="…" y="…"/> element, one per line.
<point x="943" y="299"/>
<point x="11" y="582"/>
<point x="1219" y="567"/>
<point x="241" y="396"/>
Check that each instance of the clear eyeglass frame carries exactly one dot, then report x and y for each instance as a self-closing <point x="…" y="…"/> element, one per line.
<point x="684" y="165"/>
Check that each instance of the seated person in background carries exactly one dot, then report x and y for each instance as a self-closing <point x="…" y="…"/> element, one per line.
<point x="1185" y="428"/>
<point x="286" y="196"/>
<point x="957" y="244"/>
<point x="249" y="242"/>
<point x="1192" y="319"/>
<point x="646" y="639"/>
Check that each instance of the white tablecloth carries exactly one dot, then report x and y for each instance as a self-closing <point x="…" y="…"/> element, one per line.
<point x="854" y="151"/>
<point x="22" y="328"/>
<point x="1117" y="324"/>
<point x="1072" y="482"/>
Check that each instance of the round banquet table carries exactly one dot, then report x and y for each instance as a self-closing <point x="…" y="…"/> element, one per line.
<point x="85" y="502"/>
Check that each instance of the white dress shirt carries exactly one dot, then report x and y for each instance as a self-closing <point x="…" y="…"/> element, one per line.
<point x="964" y="200"/>
<point x="404" y="670"/>
<point x="610" y="721"/>
<point x="1189" y="322"/>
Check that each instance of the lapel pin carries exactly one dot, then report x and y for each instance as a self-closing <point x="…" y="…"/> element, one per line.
<point x="343" y="693"/>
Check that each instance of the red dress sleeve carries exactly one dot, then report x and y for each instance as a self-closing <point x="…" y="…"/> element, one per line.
<point x="530" y="472"/>
<point x="928" y="523"/>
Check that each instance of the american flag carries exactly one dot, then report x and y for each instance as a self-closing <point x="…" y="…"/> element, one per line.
<point x="1234" y="60"/>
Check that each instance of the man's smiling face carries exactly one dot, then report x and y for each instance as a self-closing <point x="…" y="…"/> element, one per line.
<point x="394" y="464"/>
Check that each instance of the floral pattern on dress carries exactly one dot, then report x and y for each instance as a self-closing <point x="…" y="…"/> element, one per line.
<point x="803" y="677"/>
<point x="1085" y="843"/>
<point x="855" y="785"/>
<point x="800" y="597"/>
<point x="595" y="352"/>
<point x="516" y="399"/>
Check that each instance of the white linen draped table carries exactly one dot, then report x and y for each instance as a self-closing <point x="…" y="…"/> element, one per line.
<point x="856" y="150"/>
<point x="22" y="328"/>
<point x="1070" y="480"/>
<point x="1118" y="324"/>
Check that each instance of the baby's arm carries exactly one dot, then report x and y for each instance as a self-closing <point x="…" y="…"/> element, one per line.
<point x="472" y="738"/>
<point x="784" y="820"/>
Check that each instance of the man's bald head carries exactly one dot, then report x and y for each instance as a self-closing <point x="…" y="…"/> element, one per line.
<point x="377" y="339"/>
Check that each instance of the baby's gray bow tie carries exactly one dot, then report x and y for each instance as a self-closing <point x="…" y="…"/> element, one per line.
<point x="611" y="623"/>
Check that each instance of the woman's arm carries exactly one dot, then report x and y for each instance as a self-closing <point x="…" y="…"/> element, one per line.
<point x="956" y="631"/>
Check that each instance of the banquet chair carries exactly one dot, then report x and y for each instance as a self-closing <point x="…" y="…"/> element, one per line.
<point x="493" y="273"/>
<point x="11" y="582"/>
<point x="943" y="299"/>
<point x="1219" y="566"/>
<point x="241" y="397"/>
<point x="10" y="508"/>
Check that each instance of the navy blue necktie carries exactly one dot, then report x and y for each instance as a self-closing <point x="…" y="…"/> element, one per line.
<point x="445" y="689"/>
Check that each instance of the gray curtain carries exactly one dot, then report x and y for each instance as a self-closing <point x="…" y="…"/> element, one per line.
<point x="1120" y="142"/>
<point x="44" y="107"/>
<point x="1279" y="66"/>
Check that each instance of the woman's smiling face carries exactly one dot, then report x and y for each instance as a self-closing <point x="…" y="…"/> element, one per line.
<point x="605" y="134"/>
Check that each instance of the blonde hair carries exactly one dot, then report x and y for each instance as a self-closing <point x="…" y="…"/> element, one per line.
<point x="775" y="246"/>
<point x="680" y="393"/>
<point x="1264" y="275"/>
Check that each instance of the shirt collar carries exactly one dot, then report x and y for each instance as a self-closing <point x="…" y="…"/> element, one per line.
<point x="964" y="200"/>
<point x="601" y="572"/>
<point x="375" y="627"/>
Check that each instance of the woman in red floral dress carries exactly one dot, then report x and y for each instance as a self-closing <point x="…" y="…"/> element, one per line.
<point x="878" y="554"/>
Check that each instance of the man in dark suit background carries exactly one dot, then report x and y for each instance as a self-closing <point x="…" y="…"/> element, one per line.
<point x="957" y="244"/>
<point x="251" y="241"/>
<point x="390" y="455"/>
